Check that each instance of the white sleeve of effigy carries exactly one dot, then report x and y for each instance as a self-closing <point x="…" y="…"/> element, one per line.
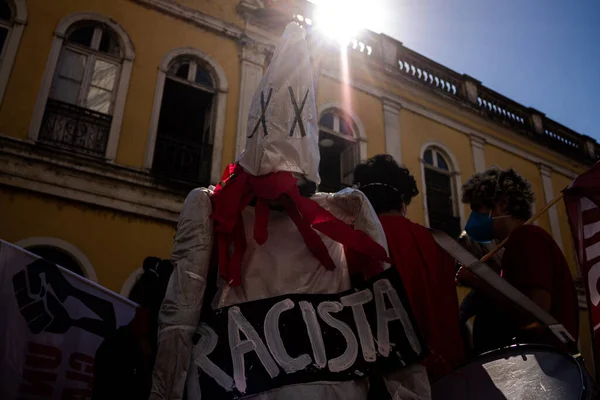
<point x="180" y="310"/>
<point x="353" y="207"/>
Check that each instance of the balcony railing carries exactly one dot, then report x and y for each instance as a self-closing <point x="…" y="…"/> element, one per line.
<point x="502" y="109"/>
<point x="562" y="139"/>
<point x="434" y="75"/>
<point x="75" y="128"/>
<point x="183" y="160"/>
<point x="408" y="65"/>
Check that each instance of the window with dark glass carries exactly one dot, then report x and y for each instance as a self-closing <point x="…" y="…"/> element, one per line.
<point x="183" y="149"/>
<point x="339" y="150"/>
<point x="441" y="202"/>
<point x="6" y="16"/>
<point x="80" y="105"/>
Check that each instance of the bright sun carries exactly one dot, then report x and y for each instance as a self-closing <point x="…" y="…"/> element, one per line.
<point x="342" y="19"/>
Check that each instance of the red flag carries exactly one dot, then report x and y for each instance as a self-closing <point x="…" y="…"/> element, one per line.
<point x="582" y="200"/>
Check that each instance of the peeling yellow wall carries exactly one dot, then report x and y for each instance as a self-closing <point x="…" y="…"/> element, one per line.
<point x="469" y="119"/>
<point x="153" y="38"/>
<point x="367" y="109"/>
<point x="416" y="131"/>
<point x="115" y="243"/>
<point x="221" y="9"/>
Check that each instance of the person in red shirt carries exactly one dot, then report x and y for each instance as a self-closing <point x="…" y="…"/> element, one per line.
<point x="501" y="201"/>
<point x="426" y="270"/>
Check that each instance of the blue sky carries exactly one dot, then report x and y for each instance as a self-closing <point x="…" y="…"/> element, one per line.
<point x="544" y="54"/>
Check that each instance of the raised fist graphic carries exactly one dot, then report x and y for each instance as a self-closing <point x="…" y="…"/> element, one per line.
<point x="41" y="290"/>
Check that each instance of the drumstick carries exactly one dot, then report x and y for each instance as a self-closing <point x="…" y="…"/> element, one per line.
<point x="529" y="221"/>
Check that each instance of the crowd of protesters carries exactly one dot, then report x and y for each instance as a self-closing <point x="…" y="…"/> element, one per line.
<point x="500" y="202"/>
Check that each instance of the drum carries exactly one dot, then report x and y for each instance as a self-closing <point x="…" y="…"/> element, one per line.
<point x="519" y="372"/>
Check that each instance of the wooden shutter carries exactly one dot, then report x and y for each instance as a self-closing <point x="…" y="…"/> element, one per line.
<point x="348" y="159"/>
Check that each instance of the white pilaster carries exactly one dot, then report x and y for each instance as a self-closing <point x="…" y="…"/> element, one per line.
<point x="252" y="62"/>
<point x="391" y="121"/>
<point x="546" y="175"/>
<point x="477" y="144"/>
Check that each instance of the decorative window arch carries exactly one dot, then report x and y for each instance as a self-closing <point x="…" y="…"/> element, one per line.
<point x="60" y="252"/>
<point x="441" y="182"/>
<point x="131" y="281"/>
<point x="342" y="143"/>
<point x="82" y="97"/>
<point x="13" y="17"/>
<point x="189" y="69"/>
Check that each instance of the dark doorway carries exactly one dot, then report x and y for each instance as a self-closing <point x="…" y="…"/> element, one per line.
<point x="183" y="143"/>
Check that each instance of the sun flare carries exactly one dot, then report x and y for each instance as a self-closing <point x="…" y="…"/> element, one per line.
<point x="341" y="20"/>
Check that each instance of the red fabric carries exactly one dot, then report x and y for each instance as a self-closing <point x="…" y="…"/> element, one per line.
<point x="582" y="199"/>
<point x="427" y="273"/>
<point x="238" y="189"/>
<point x="532" y="259"/>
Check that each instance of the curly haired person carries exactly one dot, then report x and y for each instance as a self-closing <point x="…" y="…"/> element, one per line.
<point x="501" y="201"/>
<point x="427" y="272"/>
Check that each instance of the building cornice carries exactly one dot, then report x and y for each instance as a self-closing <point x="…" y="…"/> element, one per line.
<point x="193" y="16"/>
<point x="403" y="103"/>
<point x="37" y="168"/>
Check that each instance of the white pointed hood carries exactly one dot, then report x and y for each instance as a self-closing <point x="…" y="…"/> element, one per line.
<point x="282" y="133"/>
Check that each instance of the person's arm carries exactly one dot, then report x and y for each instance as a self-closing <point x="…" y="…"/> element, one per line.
<point x="106" y="371"/>
<point x="541" y="297"/>
<point x="181" y="307"/>
<point x="530" y="267"/>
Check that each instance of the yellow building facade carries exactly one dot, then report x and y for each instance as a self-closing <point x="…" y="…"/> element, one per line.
<point x="111" y="111"/>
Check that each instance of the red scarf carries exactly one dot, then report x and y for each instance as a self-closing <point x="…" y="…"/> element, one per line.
<point x="238" y="188"/>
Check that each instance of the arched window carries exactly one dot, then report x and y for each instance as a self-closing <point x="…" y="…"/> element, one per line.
<point x="82" y="96"/>
<point x="62" y="253"/>
<point x="339" y="150"/>
<point x="13" y="17"/>
<point x="81" y="101"/>
<point x="185" y="139"/>
<point x="184" y="136"/>
<point x="441" y="192"/>
<point x="6" y="18"/>
<point x="57" y="256"/>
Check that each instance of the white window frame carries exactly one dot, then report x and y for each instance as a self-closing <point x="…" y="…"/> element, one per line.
<point x="455" y="178"/>
<point x="191" y="78"/>
<point x="434" y="154"/>
<point x="221" y="86"/>
<point x="86" y="266"/>
<point x="360" y="134"/>
<point x="131" y="281"/>
<point x="11" y="45"/>
<point x="359" y="139"/>
<point x="92" y="54"/>
<point x="122" y="83"/>
<point x="337" y="117"/>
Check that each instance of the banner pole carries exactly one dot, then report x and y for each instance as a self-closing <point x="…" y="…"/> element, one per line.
<point x="529" y="221"/>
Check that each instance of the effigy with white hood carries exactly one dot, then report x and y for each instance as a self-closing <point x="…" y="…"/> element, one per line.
<point x="261" y="303"/>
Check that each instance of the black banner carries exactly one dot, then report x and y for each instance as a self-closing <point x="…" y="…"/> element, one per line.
<point x="256" y="346"/>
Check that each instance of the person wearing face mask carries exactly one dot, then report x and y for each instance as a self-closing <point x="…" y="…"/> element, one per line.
<point x="427" y="272"/>
<point x="501" y="201"/>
